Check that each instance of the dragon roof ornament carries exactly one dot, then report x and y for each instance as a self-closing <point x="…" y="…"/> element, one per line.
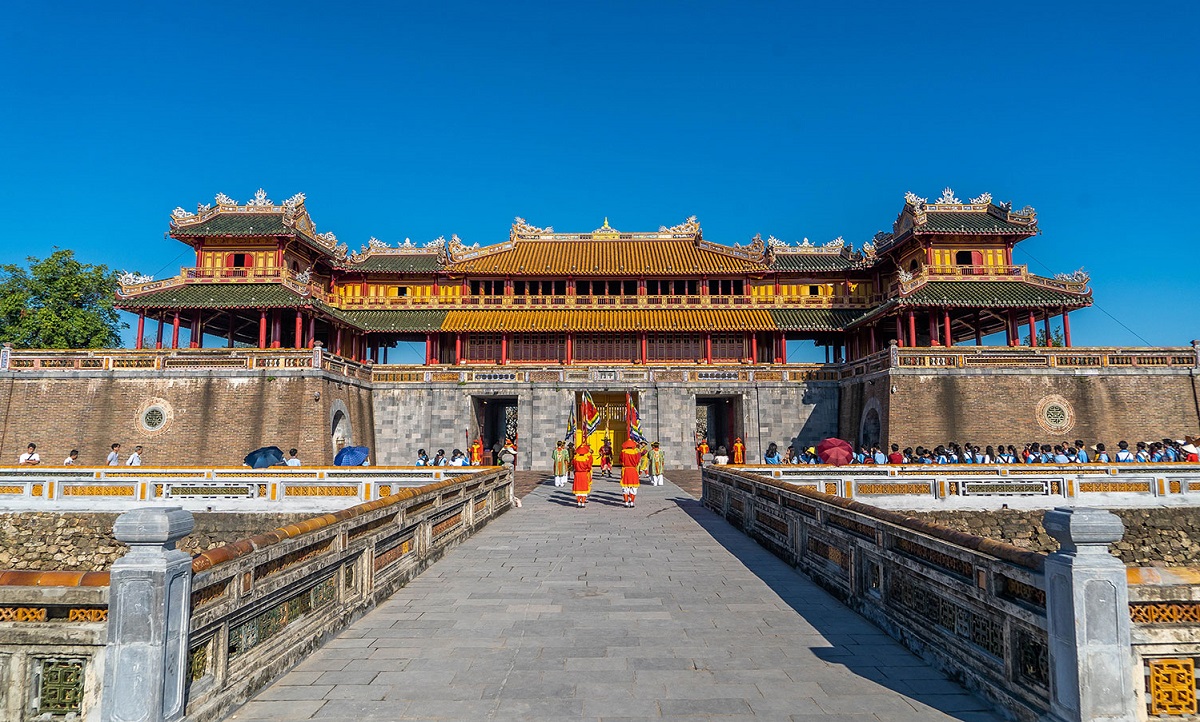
<point x="521" y="227"/>
<point x="376" y="247"/>
<point x="132" y="278"/>
<point x="948" y="197"/>
<point x="260" y="200"/>
<point x="690" y="227"/>
<point x="1080" y="276"/>
<point x="224" y="200"/>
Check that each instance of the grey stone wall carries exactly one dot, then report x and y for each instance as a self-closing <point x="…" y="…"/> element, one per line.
<point x="436" y="415"/>
<point x="47" y="541"/>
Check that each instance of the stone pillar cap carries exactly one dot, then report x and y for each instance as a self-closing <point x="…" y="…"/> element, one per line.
<point x="153" y="525"/>
<point x="1083" y="526"/>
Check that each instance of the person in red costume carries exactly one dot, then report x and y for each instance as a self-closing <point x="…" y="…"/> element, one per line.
<point x="582" y="464"/>
<point x="631" y="456"/>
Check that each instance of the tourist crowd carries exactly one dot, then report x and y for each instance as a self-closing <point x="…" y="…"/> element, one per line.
<point x="1035" y="452"/>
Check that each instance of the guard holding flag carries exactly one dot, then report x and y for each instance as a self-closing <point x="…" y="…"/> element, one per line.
<point x="582" y="463"/>
<point x="631" y="456"/>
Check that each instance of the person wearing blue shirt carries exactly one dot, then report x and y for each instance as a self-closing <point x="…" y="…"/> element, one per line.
<point x="422" y="458"/>
<point x="772" y="455"/>
<point x="1083" y="455"/>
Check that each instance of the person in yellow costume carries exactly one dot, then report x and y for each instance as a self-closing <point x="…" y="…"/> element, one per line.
<point x="476" y="452"/>
<point x="562" y="463"/>
<point x="582" y="464"/>
<point x="701" y="450"/>
<point x="658" y="462"/>
<point x="631" y="456"/>
<point x="739" y="451"/>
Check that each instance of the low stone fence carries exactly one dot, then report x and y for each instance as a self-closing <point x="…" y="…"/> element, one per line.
<point x="975" y="608"/>
<point x="1164" y="605"/>
<point x="1067" y="481"/>
<point x="52" y="640"/>
<point x="274" y="484"/>
<point x="199" y="635"/>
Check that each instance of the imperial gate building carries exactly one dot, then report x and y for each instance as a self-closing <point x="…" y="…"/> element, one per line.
<point x="696" y="330"/>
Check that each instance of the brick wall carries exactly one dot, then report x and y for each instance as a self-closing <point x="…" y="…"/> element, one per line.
<point x="213" y="417"/>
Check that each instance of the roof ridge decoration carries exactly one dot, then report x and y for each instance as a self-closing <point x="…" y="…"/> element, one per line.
<point x="457" y="251"/>
<point x="376" y="247"/>
<point x="755" y="251"/>
<point x="133" y="278"/>
<point x="295" y="216"/>
<point x="690" y="227"/>
<point x="1079" y="276"/>
<point x="521" y="227"/>
<point x="918" y="208"/>
<point x="525" y="231"/>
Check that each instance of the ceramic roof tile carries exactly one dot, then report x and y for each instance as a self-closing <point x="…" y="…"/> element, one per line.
<point x="395" y="263"/>
<point x="213" y="295"/>
<point x="804" y="262"/>
<point x="965" y="222"/>
<point x="1003" y="294"/>
<point x="237" y="224"/>
<point x="610" y="320"/>
<point x="658" y="257"/>
<point x="814" y="319"/>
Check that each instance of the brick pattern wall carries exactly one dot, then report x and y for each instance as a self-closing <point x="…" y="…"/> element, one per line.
<point x="213" y="419"/>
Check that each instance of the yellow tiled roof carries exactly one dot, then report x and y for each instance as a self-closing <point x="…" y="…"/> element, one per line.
<point x="609" y="320"/>
<point x="651" y="257"/>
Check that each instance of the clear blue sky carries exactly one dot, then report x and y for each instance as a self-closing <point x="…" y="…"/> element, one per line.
<point x="793" y="119"/>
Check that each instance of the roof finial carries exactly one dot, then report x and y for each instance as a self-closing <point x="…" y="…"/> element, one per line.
<point x="605" y="222"/>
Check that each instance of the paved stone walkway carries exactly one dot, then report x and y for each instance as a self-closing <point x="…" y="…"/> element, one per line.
<point x="662" y="611"/>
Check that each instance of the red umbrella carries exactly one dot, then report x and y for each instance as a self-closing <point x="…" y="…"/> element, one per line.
<point x="835" y="451"/>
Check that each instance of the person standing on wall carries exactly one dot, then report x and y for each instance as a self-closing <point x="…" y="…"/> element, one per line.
<point x="292" y="459"/>
<point x="658" y="462"/>
<point x="582" y="464"/>
<point x="72" y="458"/>
<point x="114" y="458"/>
<point x="30" y="457"/>
<point x="630" y="458"/>
<point x="135" y="459"/>
<point x="562" y="463"/>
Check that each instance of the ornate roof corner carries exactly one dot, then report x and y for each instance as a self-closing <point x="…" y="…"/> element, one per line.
<point x="293" y="205"/>
<point x="132" y="278"/>
<point x="521" y="227"/>
<point x="180" y="214"/>
<point x="436" y="244"/>
<point x="773" y="242"/>
<point x="1080" y="276"/>
<point x="224" y="200"/>
<point x="982" y="198"/>
<point x="914" y="200"/>
<point x="690" y="227"/>
<point x="868" y="249"/>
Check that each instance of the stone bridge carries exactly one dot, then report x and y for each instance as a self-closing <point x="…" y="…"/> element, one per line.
<point x="739" y="604"/>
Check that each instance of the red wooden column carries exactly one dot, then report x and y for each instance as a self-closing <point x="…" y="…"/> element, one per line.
<point x="1032" y="331"/>
<point x="783" y="346"/>
<point x="504" y="340"/>
<point x="175" y="331"/>
<point x="276" y="329"/>
<point x="1046" y="325"/>
<point x="1011" y="330"/>
<point x="142" y="329"/>
<point x="299" y="341"/>
<point x="158" y="341"/>
<point x="262" y="329"/>
<point x="1066" y="328"/>
<point x="428" y="349"/>
<point x="642" y="344"/>
<point x="337" y="341"/>
<point x="948" y="338"/>
<point x="312" y="331"/>
<point x="708" y="348"/>
<point x="570" y="345"/>
<point x="753" y="347"/>
<point x="912" y="329"/>
<point x="197" y="340"/>
<point x="457" y="348"/>
<point x="899" y="335"/>
<point x="978" y="331"/>
<point x="933" y="330"/>
<point x="232" y="327"/>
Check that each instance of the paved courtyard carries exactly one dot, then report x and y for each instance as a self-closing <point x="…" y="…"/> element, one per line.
<point x="658" y="612"/>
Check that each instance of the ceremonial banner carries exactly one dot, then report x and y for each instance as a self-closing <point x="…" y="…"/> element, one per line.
<point x="633" y="423"/>
<point x="570" y="437"/>
<point x="591" y="414"/>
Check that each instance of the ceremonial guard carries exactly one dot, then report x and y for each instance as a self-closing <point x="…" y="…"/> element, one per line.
<point x="582" y="464"/>
<point x="562" y="464"/>
<point x="739" y="451"/>
<point x="701" y="450"/>
<point x="476" y="452"/>
<point x="606" y="459"/>
<point x="658" y="461"/>
<point x="631" y="456"/>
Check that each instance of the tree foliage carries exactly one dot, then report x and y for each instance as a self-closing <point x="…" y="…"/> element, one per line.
<point x="58" y="302"/>
<point x="1049" y="341"/>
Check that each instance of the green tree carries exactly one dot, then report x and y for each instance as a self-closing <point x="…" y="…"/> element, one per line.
<point x="58" y="302"/>
<point x="1054" y="340"/>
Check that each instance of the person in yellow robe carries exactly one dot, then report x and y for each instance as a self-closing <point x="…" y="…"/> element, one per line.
<point x="631" y="456"/>
<point x="739" y="451"/>
<point x="582" y="464"/>
<point x="701" y="450"/>
<point x="658" y="462"/>
<point x="476" y="452"/>
<point x="562" y="463"/>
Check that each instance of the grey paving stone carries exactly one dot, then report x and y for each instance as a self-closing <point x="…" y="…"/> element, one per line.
<point x="612" y="613"/>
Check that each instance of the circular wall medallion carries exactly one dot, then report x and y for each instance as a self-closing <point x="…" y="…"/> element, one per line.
<point x="1054" y="414"/>
<point x="154" y="415"/>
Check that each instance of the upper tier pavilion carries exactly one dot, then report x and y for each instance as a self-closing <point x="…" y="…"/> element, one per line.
<point x="263" y="276"/>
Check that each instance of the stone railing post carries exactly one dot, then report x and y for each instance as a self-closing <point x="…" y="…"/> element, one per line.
<point x="149" y="608"/>
<point x="1087" y="604"/>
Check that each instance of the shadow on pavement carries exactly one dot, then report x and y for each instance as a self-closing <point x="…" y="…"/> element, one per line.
<point x="813" y="604"/>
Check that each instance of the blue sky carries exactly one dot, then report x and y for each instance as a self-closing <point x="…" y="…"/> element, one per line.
<point x="792" y="119"/>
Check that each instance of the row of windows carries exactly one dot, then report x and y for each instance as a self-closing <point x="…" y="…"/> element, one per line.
<point x="603" y="347"/>
<point x="625" y="287"/>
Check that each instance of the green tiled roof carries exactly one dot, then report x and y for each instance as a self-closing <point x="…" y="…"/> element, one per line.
<point x="238" y="224"/>
<point x="1003" y="294"/>
<point x="395" y="263"/>
<point x="813" y="319"/>
<point x="402" y="321"/>
<point x="213" y="295"/>
<point x="812" y="262"/>
<point x="954" y="222"/>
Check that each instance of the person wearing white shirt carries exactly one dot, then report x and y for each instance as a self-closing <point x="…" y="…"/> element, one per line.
<point x="72" y="458"/>
<point x="30" y="457"/>
<point x="135" y="459"/>
<point x="292" y="459"/>
<point x="113" y="456"/>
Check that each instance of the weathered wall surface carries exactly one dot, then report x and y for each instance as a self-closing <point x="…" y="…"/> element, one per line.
<point x="1168" y="537"/>
<point x="84" y="542"/>
<point x="432" y="416"/>
<point x="1011" y="406"/>
<point x="213" y="417"/>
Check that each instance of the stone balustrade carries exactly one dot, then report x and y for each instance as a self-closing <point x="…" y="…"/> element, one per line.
<point x="980" y="609"/>
<point x="950" y="481"/>
<point x="1164" y="605"/>
<point x="984" y="358"/>
<point x="280" y="484"/>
